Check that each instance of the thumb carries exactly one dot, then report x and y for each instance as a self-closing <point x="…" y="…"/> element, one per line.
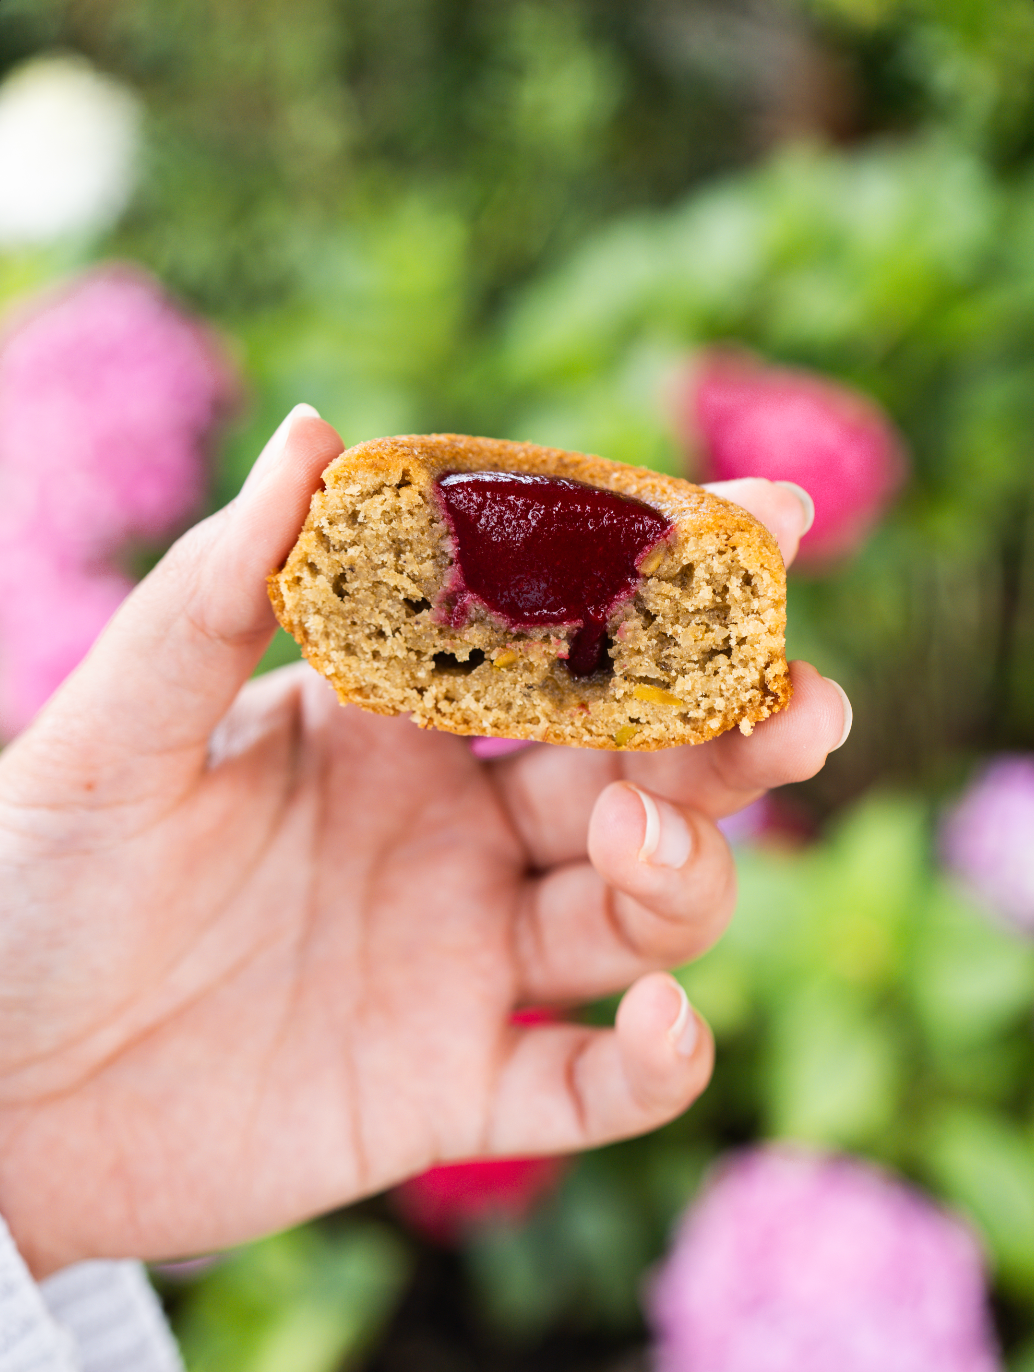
<point x="167" y="667"/>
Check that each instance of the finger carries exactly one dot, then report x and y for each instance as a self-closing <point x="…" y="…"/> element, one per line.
<point x="266" y="704"/>
<point x="727" y="774"/>
<point x="171" y="661"/>
<point x="786" y="509"/>
<point x="564" y="1088"/>
<point x="660" y="890"/>
<point x="549" y="793"/>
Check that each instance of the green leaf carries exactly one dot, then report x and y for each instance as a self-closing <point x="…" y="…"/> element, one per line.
<point x="970" y="979"/>
<point x="869" y="881"/>
<point x="281" y="651"/>
<point x="985" y="1164"/>
<point x="579" y="1256"/>
<point x="303" y="1301"/>
<point x="833" y="1068"/>
<point x="1022" y="1359"/>
<point x="719" y="986"/>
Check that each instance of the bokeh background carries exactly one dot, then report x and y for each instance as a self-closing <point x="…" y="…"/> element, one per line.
<point x="530" y="219"/>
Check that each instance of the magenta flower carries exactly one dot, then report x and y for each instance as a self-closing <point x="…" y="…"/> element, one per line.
<point x="771" y="821"/>
<point x="743" y="418"/>
<point x="791" y="1262"/>
<point x="988" y="838"/>
<point x="108" y="396"/>
<point x="488" y="748"/>
<point x="444" y="1203"/>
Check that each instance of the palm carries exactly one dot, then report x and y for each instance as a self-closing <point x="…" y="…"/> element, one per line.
<point x="337" y="943"/>
<point x="271" y="967"/>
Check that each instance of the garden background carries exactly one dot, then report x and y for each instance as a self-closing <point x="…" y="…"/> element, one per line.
<point x="523" y="219"/>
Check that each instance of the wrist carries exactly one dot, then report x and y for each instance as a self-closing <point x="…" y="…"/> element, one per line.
<point x="36" y="1217"/>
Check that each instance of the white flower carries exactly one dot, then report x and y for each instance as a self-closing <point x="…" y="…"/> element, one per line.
<point x="69" y="139"/>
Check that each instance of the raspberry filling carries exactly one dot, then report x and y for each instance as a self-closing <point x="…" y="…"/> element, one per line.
<point x="538" y="550"/>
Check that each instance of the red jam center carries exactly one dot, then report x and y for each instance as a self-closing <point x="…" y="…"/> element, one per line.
<point x="540" y="550"/>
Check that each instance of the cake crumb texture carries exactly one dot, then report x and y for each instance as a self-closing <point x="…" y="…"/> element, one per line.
<point x="699" y="648"/>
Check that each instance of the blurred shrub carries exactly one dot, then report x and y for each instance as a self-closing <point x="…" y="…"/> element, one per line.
<point x="966" y="65"/>
<point x="304" y="1301"/>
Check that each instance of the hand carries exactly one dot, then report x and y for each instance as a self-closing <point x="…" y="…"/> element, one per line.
<point x="258" y="953"/>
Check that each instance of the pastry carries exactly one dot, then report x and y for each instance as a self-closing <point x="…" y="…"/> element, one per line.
<point x="508" y="590"/>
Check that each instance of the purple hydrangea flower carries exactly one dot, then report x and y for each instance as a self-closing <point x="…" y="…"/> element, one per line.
<point x="793" y="1262"/>
<point x="108" y="394"/>
<point x="988" y="838"/>
<point x="749" y="824"/>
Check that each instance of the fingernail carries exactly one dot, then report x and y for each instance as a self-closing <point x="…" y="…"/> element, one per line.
<point x="271" y="453"/>
<point x="683" y="1033"/>
<point x="667" y="841"/>
<point x="805" y="499"/>
<point x="848" y="713"/>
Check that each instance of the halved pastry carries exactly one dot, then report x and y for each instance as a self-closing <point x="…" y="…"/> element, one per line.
<point x="514" y="591"/>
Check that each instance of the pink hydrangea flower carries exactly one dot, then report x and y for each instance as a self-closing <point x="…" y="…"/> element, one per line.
<point x="987" y="839"/>
<point x="108" y="396"/>
<point x="743" y="418"/>
<point x="791" y="1262"/>
<point x="47" y="625"/>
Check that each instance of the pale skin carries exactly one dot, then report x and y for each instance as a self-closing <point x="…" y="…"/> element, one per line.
<point x="259" y="953"/>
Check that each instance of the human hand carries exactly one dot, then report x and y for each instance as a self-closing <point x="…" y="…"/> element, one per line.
<point x="259" y="953"/>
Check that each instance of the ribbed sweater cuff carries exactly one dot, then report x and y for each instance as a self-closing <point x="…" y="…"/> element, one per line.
<point x="91" y="1317"/>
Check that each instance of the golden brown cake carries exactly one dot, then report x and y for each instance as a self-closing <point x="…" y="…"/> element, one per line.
<point x="374" y="592"/>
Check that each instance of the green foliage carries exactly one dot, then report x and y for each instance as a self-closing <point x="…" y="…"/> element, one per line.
<point x="303" y="1301"/>
<point x="986" y="1165"/>
<point x="584" y="1251"/>
<point x="970" y="981"/>
<point x="376" y="316"/>
<point x="969" y="63"/>
<point x="832" y="1077"/>
<point x="1023" y="1361"/>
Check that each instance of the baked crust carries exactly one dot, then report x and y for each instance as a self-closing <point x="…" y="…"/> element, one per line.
<point x="699" y="649"/>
